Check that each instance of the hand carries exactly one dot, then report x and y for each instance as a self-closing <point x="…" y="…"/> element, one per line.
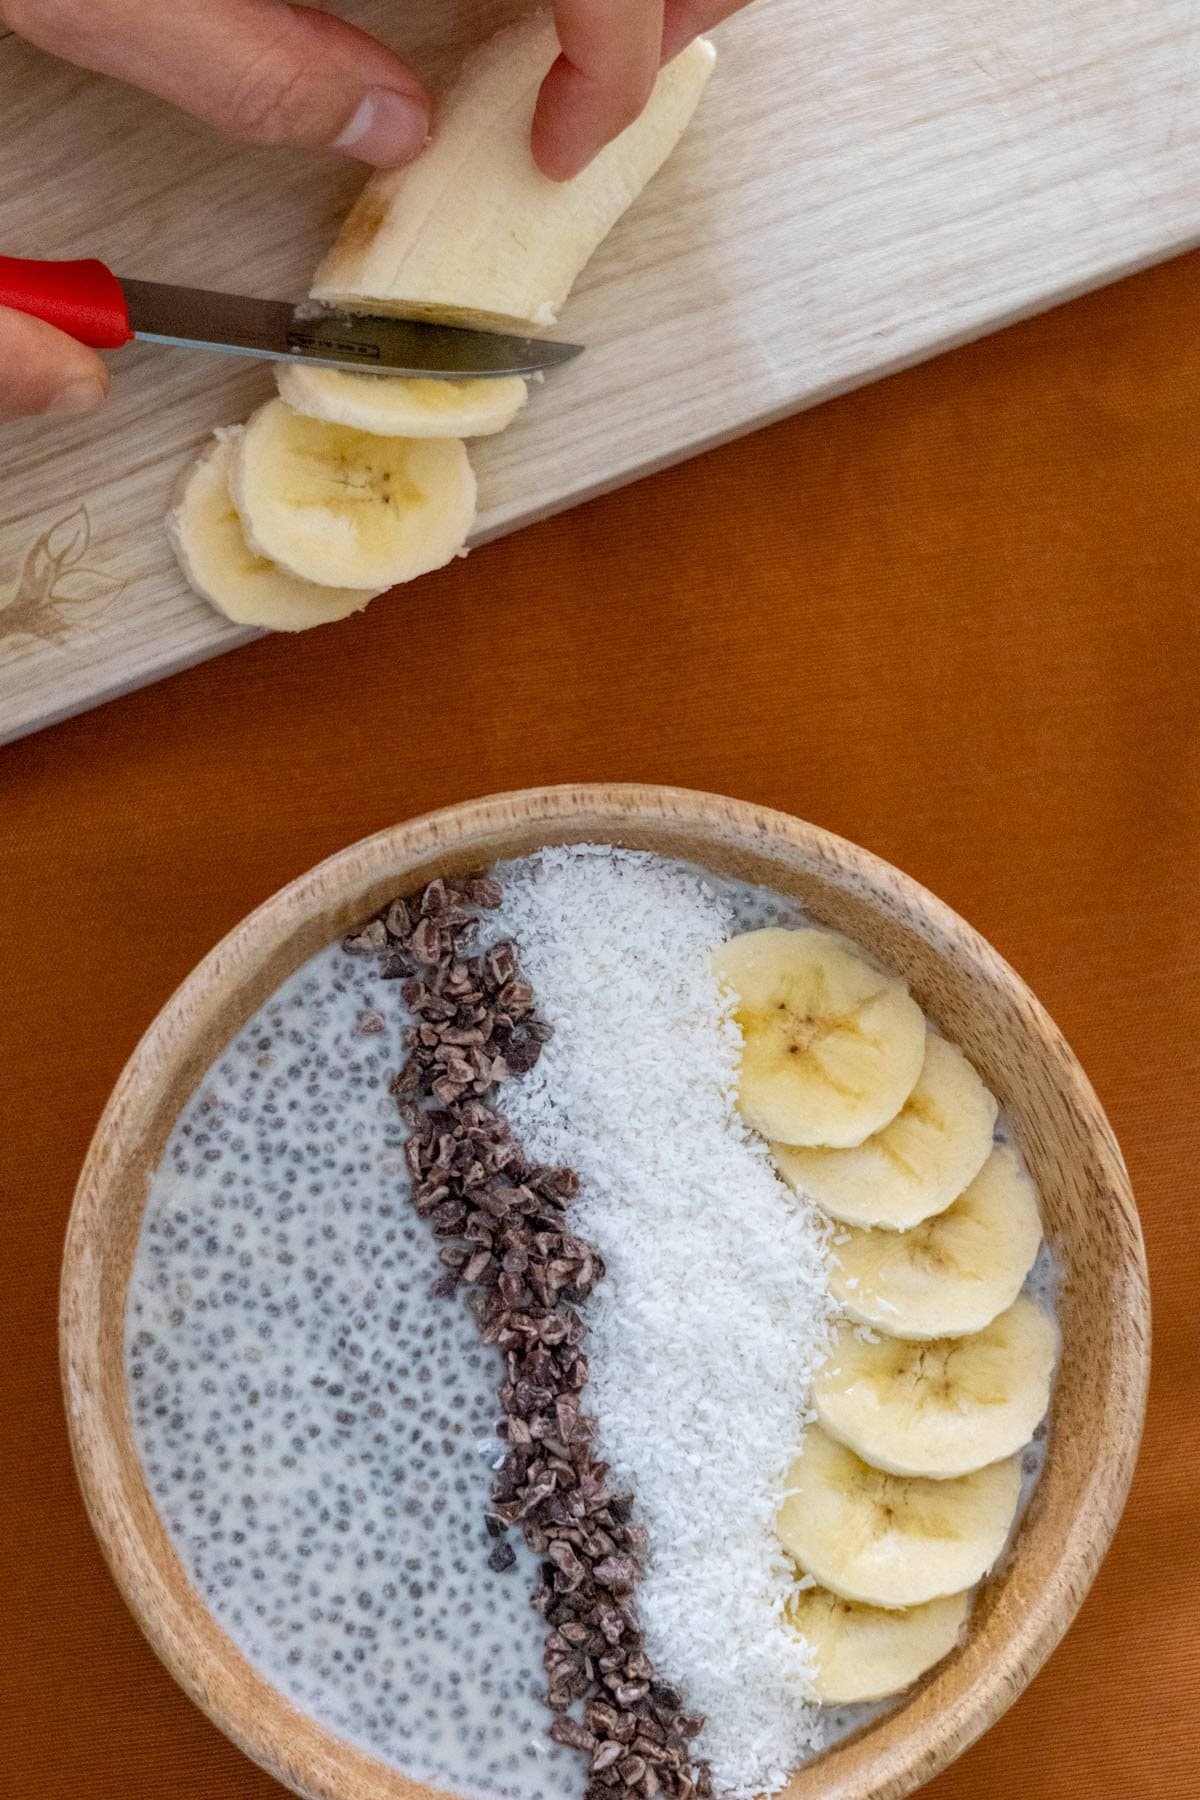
<point x="612" y="51"/>
<point x="273" y="73"/>
<point x="280" y="74"/>
<point x="45" y="371"/>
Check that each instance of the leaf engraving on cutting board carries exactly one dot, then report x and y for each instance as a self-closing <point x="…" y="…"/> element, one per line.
<point x="56" y="593"/>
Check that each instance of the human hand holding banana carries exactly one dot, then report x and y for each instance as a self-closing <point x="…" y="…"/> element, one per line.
<point x="273" y="73"/>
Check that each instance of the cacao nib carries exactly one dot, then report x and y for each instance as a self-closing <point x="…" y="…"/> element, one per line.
<point x="525" y="1273"/>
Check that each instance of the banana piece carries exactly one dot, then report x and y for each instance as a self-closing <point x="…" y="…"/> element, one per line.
<point x="471" y="232"/>
<point x="396" y="406"/>
<point x="890" y="1540"/>
<point x="865" y="1652"/>
<point x="943" y="1408"/>
<point x="343" y="507"/>
<point x="831" y="1047"/>
<point x="207" y="536"/>
<point x="921" y="1160"/>
<point x="951" y="1275"/>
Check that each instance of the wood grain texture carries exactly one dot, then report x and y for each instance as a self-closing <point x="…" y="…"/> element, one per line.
<point x="969" y="992"/>
<point x="862" y="187"/>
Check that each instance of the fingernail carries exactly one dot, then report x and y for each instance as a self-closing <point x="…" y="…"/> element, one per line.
<point x="79" y="396"/>
<point x="387" y="128"/>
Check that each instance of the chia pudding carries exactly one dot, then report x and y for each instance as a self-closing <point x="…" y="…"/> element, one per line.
<point x="362" y="1477"/>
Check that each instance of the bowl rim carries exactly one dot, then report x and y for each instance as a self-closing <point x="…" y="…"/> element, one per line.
<point x="907" y="1755"/>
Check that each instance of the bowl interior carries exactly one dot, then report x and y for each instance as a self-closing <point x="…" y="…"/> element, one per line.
<point x="965" y="988"/>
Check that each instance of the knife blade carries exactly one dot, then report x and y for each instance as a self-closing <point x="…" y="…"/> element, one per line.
<point x="329" y="339"/>
<point x="87" y="300"/>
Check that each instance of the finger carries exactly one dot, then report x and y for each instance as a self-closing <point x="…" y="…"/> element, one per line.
<point x="44" y="371"/>
<point x="600" y="83"/>
<point x="260" y="69"/>
<point x="684" y="20"/>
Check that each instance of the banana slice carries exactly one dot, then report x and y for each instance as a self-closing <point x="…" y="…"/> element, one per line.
<point x="891" y="1540"/>
<point x="921" y="1161"/>
<point x="472" y="232"/>
<point x="395" y="406"/>
<point x="943" y="1408"/>
<point x="208" y="540"/>
<point x="951" y="1275"/>
<point x="866" y="1652"/>
<point x="346" y="508"/>
<point x="831" y="1047"/>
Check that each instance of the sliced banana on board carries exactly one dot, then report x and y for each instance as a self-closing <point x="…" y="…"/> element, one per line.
<point x="397" y="406"/>
<point x="920" y="1161"/>
<point x="954" y="1273"/>
<point x="831" y="1046"/>
<point x="347" y="508"/>
<point x="941" y="1408"/>
<point x="211" y="546"/>
<point x="892" y="1540"/>
<point x="472" y="232"/>
<point x="867" y="1652"/>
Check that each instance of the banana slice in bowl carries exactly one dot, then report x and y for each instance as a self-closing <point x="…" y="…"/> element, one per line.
<point x="831" y="1046"/>
<point x="941" y="1408"/>
<point x="347" y="508"/>
<point x="952" y="1274"/>
<point x="892" y="1540"/>
<point x="921" y="1160"/>
<point x="208" y="539"/>
<point x="868" y="1652"/>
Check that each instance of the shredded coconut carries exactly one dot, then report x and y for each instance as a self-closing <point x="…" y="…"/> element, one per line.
<point x="704" y="1337"/>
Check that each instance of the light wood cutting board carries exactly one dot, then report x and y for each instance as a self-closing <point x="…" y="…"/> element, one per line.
<point x="867" y="182"/>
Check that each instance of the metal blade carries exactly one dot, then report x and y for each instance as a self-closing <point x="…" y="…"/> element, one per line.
<point x="238" y="326"/>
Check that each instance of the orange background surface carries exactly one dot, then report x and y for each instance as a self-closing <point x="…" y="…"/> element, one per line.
<point x="956" y="618"/>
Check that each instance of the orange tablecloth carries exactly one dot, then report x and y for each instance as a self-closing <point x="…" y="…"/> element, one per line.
<point x="955" y="617"/>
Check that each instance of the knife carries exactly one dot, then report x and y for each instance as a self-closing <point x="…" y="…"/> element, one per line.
<point x="86" y="300"/>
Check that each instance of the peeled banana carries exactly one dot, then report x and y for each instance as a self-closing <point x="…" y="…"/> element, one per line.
<point x="891" y="1540"/>
<point x="347" y="508"/>
<point x="867" y="1652"/>
<point x="943" y="1408"/>
<point x="207" y="535"/>
<point x="831" y="1046"/>
<point x="396" y="406"/>
<point x="954" y="1273"/>
<point x="471" y="232"/>
<point x="920" y="1161"/>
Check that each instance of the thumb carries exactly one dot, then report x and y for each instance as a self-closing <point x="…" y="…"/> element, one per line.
<point x="260" y="69"/>
<point x="44" y="371"/>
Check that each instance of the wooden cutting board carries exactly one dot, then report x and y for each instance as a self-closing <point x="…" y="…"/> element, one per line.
<point x="867" y="182"/>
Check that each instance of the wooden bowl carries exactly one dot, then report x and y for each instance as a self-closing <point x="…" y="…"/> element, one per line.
<point x="972" y="995"/>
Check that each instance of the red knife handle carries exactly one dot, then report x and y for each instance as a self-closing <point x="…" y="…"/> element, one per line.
<point x="84" y="298"/>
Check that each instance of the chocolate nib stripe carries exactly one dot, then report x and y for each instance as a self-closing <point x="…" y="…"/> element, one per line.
<point x="507" y="1236"/>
